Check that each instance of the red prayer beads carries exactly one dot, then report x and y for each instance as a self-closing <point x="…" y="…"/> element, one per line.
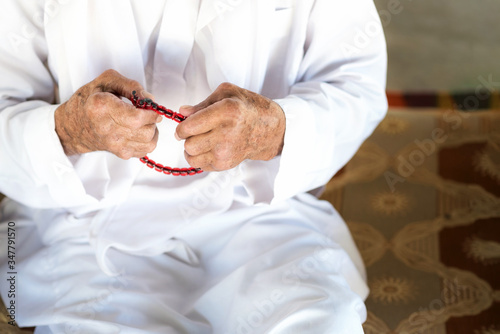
<point x="170" y="114"/>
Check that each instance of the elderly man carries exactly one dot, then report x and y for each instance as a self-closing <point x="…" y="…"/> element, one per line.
<point x="277" y="95"/>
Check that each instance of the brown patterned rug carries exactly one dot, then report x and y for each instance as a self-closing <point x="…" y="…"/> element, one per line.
<point x="422" y="199"/>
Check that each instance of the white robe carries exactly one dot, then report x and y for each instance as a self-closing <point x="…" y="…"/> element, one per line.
<point x="106" y="245"/>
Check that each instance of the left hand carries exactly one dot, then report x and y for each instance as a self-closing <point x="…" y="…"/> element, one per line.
<point x="230" y="126"/>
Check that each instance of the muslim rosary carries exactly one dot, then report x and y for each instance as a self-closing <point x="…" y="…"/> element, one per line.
<point x="148" y="104"/>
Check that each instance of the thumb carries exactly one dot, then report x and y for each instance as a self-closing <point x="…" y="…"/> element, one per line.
<point x="113" y="82"/>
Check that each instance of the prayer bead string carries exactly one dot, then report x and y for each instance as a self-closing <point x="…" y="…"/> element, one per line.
<point x="148" y="104"/>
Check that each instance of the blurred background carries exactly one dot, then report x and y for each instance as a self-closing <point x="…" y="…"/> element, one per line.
<point x="441" y="44"/>
<point x="422" y="195"/>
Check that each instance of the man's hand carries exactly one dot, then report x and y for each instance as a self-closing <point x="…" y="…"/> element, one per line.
<point x="231" y="125"/>
<point x="96" y="119"/>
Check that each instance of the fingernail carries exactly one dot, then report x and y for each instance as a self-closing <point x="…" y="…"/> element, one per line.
<point x="159" y="119"/>
<point x="177" y="136"/>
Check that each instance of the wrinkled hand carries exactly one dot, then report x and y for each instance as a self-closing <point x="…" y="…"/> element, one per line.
<point x="96" y="119"/>
<point x="230" y="126"/>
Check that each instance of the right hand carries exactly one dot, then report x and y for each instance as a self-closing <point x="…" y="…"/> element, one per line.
<point x="96" y="119"/>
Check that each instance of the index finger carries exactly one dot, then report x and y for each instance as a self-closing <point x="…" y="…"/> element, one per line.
<point x="223" y="91"/>
<point x="111" y="81"/>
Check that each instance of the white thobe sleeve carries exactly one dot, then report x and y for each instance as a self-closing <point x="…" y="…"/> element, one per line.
<point x="33" y="167"/>
<point x="339" y="97"/>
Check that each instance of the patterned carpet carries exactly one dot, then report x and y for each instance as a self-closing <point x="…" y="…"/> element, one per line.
<point x="422" y="199"/>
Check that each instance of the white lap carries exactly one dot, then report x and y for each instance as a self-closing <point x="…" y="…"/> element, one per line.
<point x="260" y="270"/>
